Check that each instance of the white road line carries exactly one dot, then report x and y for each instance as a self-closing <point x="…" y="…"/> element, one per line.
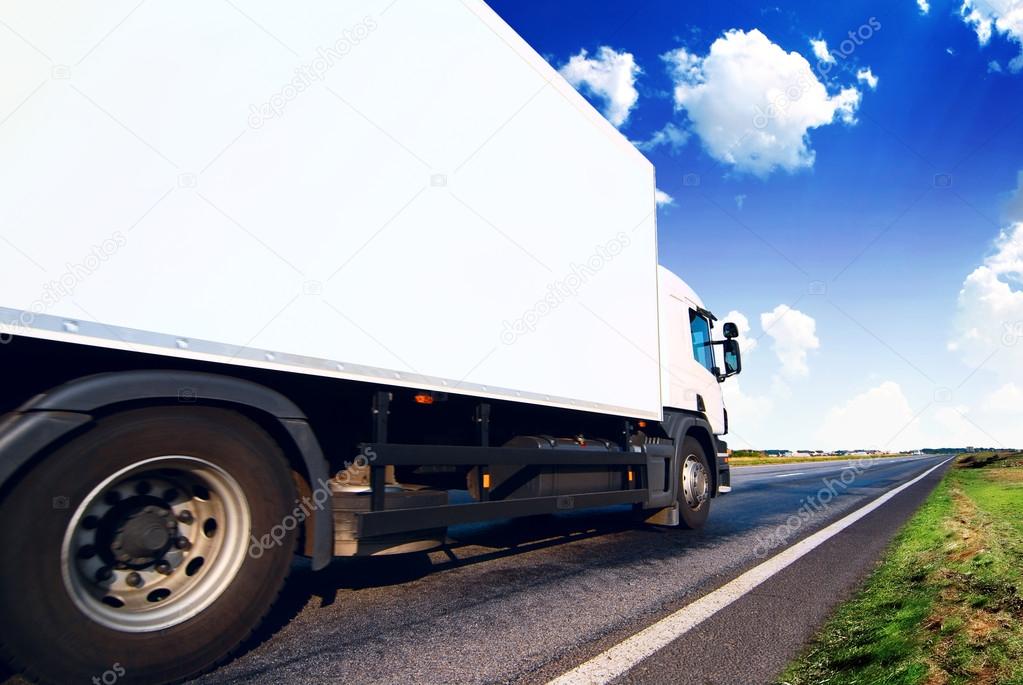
<point x="619" y="659"/>
<point x="786" y="475"/>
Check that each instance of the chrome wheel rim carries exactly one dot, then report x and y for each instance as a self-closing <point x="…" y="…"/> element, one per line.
<point x="155" y="543"/>
<point x="695" y="482"/>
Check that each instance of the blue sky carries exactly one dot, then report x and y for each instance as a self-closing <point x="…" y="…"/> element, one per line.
<point x="879" y="267"/>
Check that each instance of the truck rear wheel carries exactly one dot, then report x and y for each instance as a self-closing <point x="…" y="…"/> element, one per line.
<point x="133" y="551"/>
<point x="694" y="485"/>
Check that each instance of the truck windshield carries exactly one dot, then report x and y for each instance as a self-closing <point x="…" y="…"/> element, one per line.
<point x="703" y="349"/>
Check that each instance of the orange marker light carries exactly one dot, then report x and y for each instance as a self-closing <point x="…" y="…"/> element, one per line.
<point x="486" y="481"/>
<point x="424" y="398"/>
<point x="630" y="475"/>
<point x="642" y="424"/>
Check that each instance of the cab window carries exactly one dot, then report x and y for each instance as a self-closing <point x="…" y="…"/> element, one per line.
<point x="703" y="349"/>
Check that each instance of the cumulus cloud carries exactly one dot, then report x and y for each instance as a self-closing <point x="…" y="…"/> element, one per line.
<point x="671" y="136"/>
<point x="821" y="52"/>
<point x="749" y="415"/>
<point x="746" y="343"/>
<point x="988" y="17"/>
<point x="865" y="75"/>
<point x="663" y="199"/>
<point x="880" y="418"/>
<point x="753" y="105"/>
<point x="924" y="6"/>
<point x="988" y="335"/>
<point x="1007" y="399"/>
<point x="883" y="418"/>
<point x="990" y="308"/>
<point x="793" y="335"/>
<point x="610" y="77"/>
<point x="993" y="67"/>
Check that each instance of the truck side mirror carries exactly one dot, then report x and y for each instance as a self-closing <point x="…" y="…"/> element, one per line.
<point x="730" y="330"/>
<point x="733" y="359"/>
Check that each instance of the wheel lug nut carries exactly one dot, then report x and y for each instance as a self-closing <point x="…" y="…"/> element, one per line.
<point x="186" y="517"/>
<point x="164" y="568"/>
<point x="104" y="573"/>
<point x="182" y="543"/>
<point x="134" y="579"/>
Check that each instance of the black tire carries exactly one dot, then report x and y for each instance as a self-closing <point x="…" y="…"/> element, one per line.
<point x="693" y="517"/>
<point x="46" y="634"/>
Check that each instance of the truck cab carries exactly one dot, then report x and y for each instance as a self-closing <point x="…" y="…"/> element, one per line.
<point x="691" y="368"/>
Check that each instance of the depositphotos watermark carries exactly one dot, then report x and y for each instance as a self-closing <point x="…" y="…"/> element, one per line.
<point x="110" y="676"/>
<point x="56" y="290"/>
<point x="812" y="506"/>
<point x="779" y="105"/>
<point x="308" y="74"/>
<point x="305" y="506"/>
<point x="1012" y="333"/>
<point x="303" y="509"/>
<point x="848" y="46"/>
<point x="563" y="289"/>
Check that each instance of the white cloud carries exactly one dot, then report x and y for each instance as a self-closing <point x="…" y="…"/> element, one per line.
<point x="753" y="105"/>
<point x="990" y="311"/>
<point x="821" y="52"/>
<point x="993" y="67"/>
<point x="746" y="343"/>
<point x="882" y="418"/>
<point x="749" y="416"/>
<point x="1007" y="399"/>
<point x="672" y="136"/>
<point x="663" y="199"/>
<point x="988" y="17"/>
<point x="879" y="418"/>
<point x="952" y="427"/>
<point x="924" y="6"/>
<point x="865" y="75"/>
<point x="793" y="334"/>
<point x="610" y="76"/>
<point x="740" y="201"/>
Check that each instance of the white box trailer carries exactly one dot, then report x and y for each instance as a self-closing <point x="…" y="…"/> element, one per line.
<point x="277" y="279"/>
<point x="403" y="197"/>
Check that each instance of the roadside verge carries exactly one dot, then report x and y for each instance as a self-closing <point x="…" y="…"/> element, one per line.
<point x="945" y="605"/>
<point x="748" y="629"/>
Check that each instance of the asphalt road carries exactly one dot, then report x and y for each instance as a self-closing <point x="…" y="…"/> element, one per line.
<point x="525" y="601"/>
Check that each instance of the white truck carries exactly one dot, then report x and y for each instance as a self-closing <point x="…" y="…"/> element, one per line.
<point x="280" y="278"/>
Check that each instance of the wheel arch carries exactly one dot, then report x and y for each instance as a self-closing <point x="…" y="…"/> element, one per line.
<point x="50" y="418"/>
<point x="682" y="424"/>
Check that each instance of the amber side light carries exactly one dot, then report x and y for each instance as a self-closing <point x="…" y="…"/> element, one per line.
<point x="424" y="398"/>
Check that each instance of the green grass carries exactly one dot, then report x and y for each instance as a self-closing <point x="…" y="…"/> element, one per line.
<point x="945" y="603"/>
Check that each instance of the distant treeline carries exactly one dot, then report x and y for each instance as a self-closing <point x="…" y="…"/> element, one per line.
<point x="964" y="450"/>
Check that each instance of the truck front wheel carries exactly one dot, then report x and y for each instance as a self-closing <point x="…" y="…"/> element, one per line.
<point x="148" y="547"/>
<point x="694" y="485"/>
